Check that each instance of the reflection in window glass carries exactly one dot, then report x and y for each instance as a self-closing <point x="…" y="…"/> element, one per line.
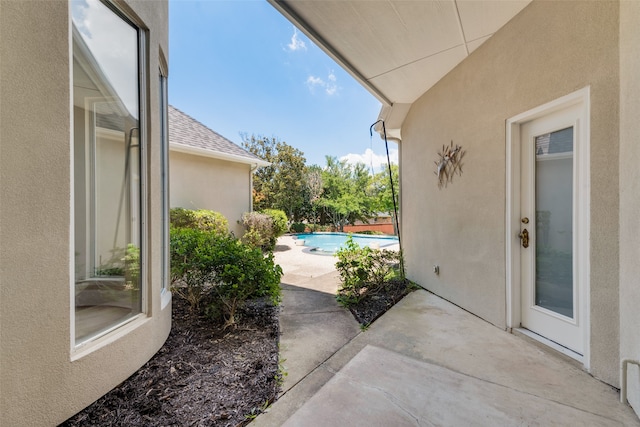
<point x="107" y="161"/>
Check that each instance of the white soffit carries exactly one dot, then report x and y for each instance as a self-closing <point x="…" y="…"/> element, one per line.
<point x="399" y="49"/>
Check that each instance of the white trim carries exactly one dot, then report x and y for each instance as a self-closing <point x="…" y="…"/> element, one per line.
<point x="582" y="213"/>
<point x="584" y="219"/>
<point x="108" y="336"/>
<point x="144" y="133"/>
<point x="196" y="151"/>
<point x="393" y="116"/>
<point x="165" y="298"/>
<point x="554" y="345"/>
<point x="165" y="293"/>
<point x="72" y="197"/>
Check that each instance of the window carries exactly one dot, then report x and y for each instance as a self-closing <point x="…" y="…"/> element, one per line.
<point x="108" y="169"/>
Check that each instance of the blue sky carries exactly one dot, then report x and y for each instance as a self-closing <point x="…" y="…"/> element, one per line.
<point x="241" y="67"/>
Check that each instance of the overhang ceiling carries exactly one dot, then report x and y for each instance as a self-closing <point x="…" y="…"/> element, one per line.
<point x="399" y="49"/>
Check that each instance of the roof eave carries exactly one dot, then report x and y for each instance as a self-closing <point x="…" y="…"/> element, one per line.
<point x="196" y="151"/>
<point x="288" y="12"/>
<point x="388" y="110"/>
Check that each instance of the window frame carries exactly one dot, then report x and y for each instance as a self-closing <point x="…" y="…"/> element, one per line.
<point x="164" y="185"/>
<point x="80" y="346"/>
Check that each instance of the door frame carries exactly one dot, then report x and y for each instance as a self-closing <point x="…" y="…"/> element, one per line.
<point x="581" y="216"/>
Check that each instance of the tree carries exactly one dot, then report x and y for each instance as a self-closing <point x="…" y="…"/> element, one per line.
<point x="263" y="176"/>
<point x="345" y="195"/>
<point x="382" y="191"/>
<point x="280" y="185"/>
<point x="313" y="192"/>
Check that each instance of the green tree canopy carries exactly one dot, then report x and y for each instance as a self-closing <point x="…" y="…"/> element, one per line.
<point x="281" y="185"/>
<point x="345" y="197"/>
<point x="312" y="192"/>
<point x="382" y="191"/>
<point x="381" y="188"/>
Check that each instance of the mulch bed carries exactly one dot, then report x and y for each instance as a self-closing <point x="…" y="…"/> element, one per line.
<point x="207" y="376"/>
<point x="202" y="376"/>
<point x="374" y="305"/>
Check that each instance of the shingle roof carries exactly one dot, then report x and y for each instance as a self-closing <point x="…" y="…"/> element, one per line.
<point x="187" y="131"/>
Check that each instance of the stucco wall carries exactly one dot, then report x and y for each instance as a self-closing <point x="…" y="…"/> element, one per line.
<point x="549" y="50"/>
<point x="198" y="182"/>
<point x="43" y="380"/>
<point x="630" y="193"/>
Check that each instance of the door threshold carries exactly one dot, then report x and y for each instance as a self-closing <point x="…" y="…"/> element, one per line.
<point x="548" y="343"/>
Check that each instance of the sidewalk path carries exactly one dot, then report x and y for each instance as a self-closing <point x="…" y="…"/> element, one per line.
<point x="313" y="326"/>
<point x="425" y="362"/>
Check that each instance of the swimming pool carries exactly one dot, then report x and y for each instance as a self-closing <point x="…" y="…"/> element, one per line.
<point x="330" y="242"/>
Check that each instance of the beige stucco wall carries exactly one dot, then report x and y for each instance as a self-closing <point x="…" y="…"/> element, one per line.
<point x="630" y="193"/>
<point x="43" y="380"/>
<point x="549" y="50"/>
<point x="199" y="182"/>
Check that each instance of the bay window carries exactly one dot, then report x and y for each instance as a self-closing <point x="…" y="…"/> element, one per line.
<point x="108" y="144"/>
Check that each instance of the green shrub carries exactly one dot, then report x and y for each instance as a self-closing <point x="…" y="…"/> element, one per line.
<point x="191" y="260"/>
<point x="202" y="219"/>
<point x="242" y="272"/>
<point x="132" y="267"/>
<point x="319" y="228"/>
<point x="364" y="271"/>
<point x="280" y="221"/>
<point x="298" y="227"/>
<point x="259" y="231"/>
<point x="123" y="262"/>
<point x="220" y="270"/>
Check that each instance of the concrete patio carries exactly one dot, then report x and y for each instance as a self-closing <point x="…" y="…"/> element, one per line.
<point x="425" y="362"/>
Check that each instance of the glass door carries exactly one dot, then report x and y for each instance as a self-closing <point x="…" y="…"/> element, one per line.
<point x="550" y="291"/>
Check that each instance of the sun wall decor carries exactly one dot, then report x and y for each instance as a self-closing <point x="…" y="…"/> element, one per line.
<point x="449" y="164"/>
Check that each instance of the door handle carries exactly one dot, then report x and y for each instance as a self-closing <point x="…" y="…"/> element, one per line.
<point x="524" y="236"/>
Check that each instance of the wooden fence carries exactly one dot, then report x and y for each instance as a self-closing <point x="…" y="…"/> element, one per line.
<point x="383" y="228"/>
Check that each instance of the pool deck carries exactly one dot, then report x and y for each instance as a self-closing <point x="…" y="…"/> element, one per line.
<point x="425" y="362"/>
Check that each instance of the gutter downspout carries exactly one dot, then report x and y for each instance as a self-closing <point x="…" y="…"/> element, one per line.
<point x="252" y="169"/>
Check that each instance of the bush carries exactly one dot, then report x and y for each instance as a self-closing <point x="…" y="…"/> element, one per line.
<point x="319" y="228"/>
<point x="260" y="231"/>
<point x="202" y="219"/>
<point x="264" y="228"/>
<point x="364" y="271"/>
<point x="315" y="227"/>
<point x="298" y="227"/>
<point x="242" y="272"/>
<point x="280" y="221"/>
<point x="191" y="260"/>
<point x="219" y="268"/>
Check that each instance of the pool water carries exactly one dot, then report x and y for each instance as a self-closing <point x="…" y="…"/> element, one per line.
<point x="331" y="242"/>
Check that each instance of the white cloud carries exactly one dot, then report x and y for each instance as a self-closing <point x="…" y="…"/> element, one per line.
<point x="371" y="159"/>
<point x="296" y="43"/>
<point x="330" y="85"/>
<point x="314" y="81"/>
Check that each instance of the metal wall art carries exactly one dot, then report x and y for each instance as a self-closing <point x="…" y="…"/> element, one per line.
<point x="449" y="163"/>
